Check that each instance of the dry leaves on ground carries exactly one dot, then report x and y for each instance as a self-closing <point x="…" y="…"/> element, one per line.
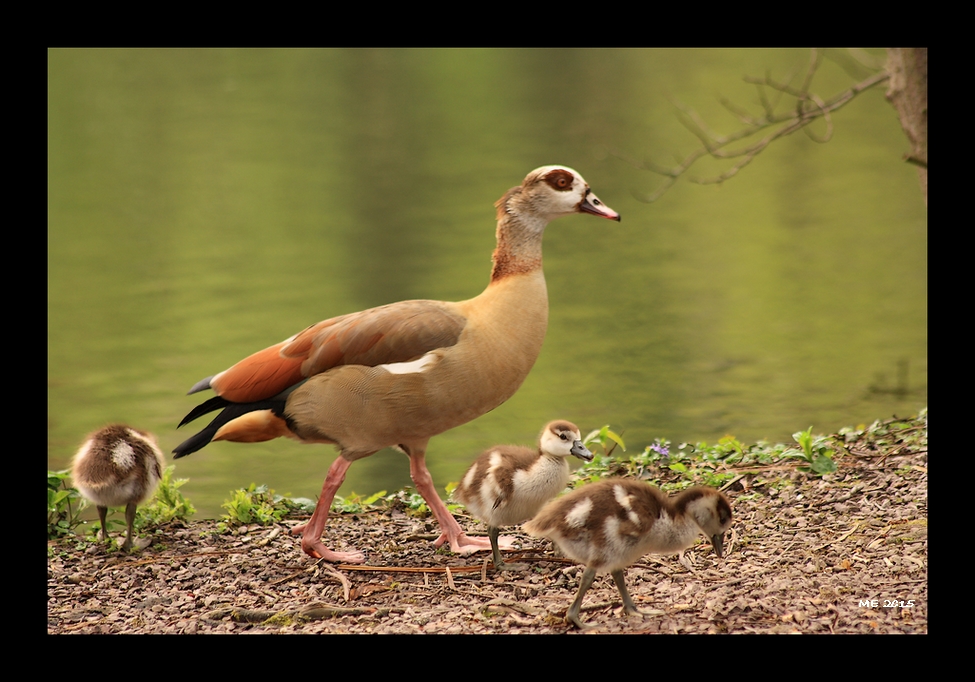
<point x="845" y="553"/>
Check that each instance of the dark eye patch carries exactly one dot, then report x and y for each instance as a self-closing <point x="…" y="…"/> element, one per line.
<point x="560" y="180"/>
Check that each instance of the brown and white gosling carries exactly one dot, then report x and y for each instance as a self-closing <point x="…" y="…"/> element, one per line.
<point x="610" y="524"/>
<point x="508" y="484"/>
<point x="118" y="466"/>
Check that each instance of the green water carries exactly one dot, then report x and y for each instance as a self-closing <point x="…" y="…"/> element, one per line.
<point x="204" y="204"/>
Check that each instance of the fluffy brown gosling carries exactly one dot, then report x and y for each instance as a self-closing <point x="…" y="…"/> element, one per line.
<point x="508" y="484"/>
<point x="118" y="466"/>
<point x="610" y="524"/>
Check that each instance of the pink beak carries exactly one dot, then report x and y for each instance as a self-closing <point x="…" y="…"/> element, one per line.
<point x="592" y="204"/>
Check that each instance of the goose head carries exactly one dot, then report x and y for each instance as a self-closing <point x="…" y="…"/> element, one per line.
<point x="550" y="192"/>
<point x="563" y="439"/>
<point x="712" y="513"/>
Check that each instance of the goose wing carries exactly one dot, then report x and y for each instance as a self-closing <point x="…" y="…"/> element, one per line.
<point x="398" y="332"/>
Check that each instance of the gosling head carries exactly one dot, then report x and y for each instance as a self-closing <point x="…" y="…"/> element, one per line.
<point x="562" y="439"/>
<point x="712" y="513"/>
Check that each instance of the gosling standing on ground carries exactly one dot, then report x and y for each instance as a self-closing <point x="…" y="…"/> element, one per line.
<point x="610" y="524"/>
<point x="508" y="484"/>
<point x="118" y="466"/>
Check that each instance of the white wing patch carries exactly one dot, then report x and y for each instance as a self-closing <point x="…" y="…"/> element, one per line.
<point x="579" y="514"/>
<point x="123" y="455"/>
<point x="625" y="501"/>
<point x="417" y="366"/>
<point x="469" y="478"/>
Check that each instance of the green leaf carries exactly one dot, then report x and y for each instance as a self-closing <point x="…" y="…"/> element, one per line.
<point x="804" y="439"/>
<point x="823" y="465"/>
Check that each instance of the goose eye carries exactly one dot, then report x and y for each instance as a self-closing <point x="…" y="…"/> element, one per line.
<point x="563" y="436"/>
<point x="560" y="180"/>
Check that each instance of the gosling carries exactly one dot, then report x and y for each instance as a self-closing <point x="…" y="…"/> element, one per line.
<point x="118" y="466"/>
<point x="508" y="484"/>
<point x="610" y="524"/>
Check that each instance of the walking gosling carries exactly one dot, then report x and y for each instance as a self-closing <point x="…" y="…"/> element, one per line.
<point x="118" y="466"/>
<point x="610" y="524"/>
<point x="508" y="484"/>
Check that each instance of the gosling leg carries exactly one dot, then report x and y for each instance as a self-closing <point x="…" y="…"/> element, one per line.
<point x="628" y="606"/>
<point x="130" y="522"/>
<point x="572" y="615"/>
<point x="102" y="513"/>
<point x="499" y="564"/>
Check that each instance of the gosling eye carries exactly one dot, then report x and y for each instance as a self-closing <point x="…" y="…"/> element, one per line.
<point x="563" y="436"/>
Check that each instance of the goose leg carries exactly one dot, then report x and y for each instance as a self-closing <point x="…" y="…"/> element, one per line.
<point x="450" y="529"/>
<point x="311" y="532"/>
<point x="628" y="606"/>
<point x="572" y="614"/>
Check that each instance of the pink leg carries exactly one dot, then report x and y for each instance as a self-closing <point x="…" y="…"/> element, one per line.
<point x="311" y="532"/>
<point x="450" y="529"/>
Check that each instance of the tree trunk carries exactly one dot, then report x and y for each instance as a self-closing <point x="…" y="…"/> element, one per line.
<point x="908" y="93"/>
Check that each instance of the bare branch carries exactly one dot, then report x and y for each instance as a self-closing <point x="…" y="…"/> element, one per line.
<point x="811" y="71"/>
<point x="741" y="114"/>
<point x="808" y="108"/>
<point x="826" y="117"/>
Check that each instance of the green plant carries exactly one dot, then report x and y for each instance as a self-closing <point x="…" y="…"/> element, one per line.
<point x="604" y="438"/>
<point x="602" y="464"/>
<point x="64" y="503"/>
<point x="415" y="504"/>
<point x="354" y="503"/>
<point x="253" y="504"/>
<point x="406" y="499"/>
<point x="815" y="451"/>
<point x="167" y="504"/>
<point x="903" y="434"/>
<point x="258" y="504"/>
<point x="657" y="454"/>
<point x="701" y="464"/>
<point x="677" y="467"/>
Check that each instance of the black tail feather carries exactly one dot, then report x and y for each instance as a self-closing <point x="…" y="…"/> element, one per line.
<point x="194" y="443"/>
<point x="214" y="403"/>
<point x="231" y="411"/>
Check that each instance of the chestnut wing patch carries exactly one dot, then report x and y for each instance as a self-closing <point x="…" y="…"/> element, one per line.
<point x="398" y="332"/>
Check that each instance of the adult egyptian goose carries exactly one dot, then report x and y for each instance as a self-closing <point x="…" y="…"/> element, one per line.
<point x="508" y="484"/>
<point x="609" y="524"/>
<point x="118" y="466"/>
<point x="396" y="375"/>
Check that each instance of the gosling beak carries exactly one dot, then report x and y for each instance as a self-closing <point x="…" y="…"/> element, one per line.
<point x="591" y="204"/>
<point x="717" y="541"/>
<point x="581" y="451"/>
